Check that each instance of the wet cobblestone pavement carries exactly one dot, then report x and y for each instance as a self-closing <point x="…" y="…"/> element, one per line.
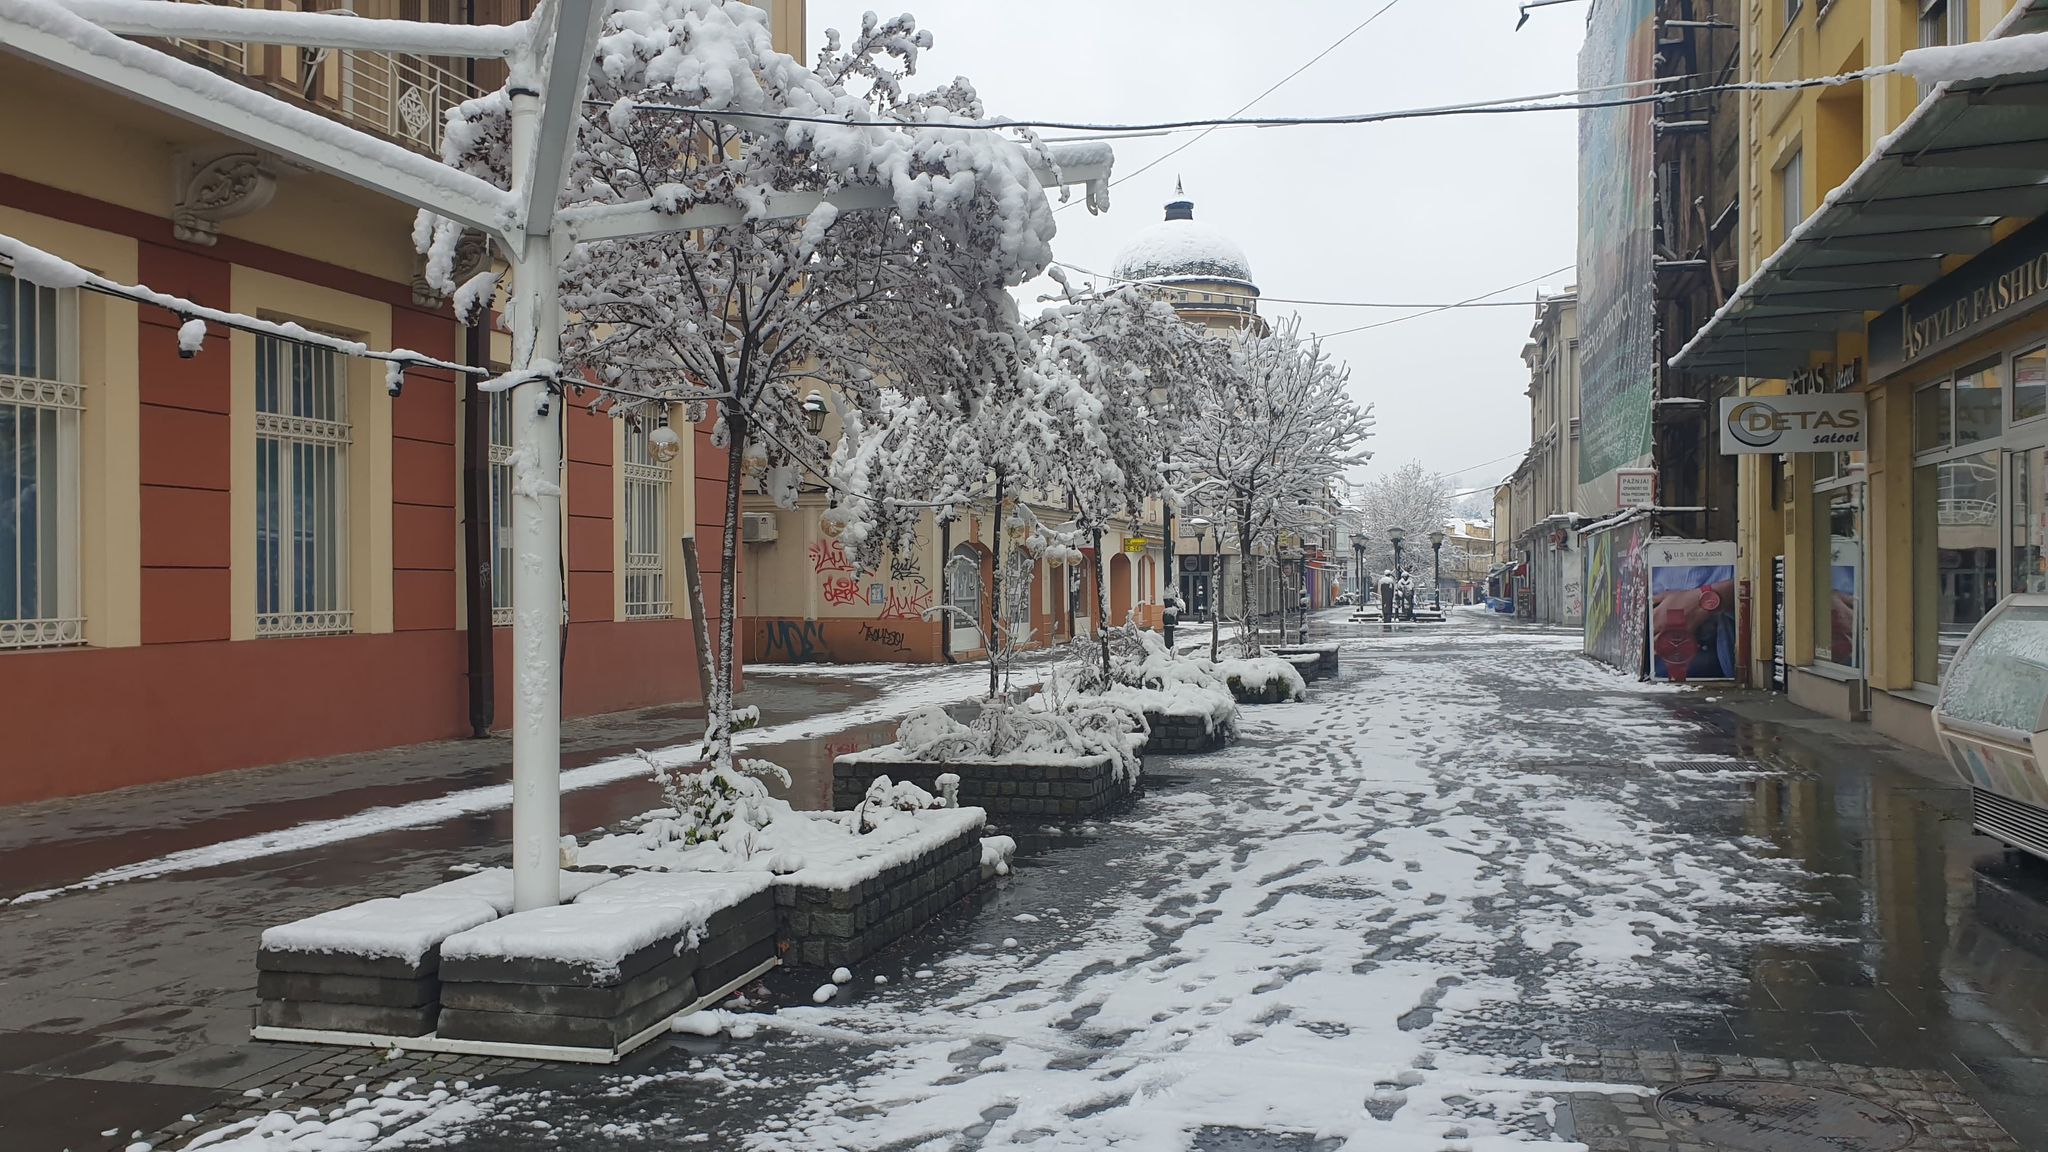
<point x="1476" y="891"/>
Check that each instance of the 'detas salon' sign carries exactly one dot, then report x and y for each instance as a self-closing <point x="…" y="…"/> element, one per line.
<point x="1773" y="424"/>
<point x="2008" y="281"/>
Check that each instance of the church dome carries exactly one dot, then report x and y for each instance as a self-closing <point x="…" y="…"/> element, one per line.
<point x="1179" y="248"/>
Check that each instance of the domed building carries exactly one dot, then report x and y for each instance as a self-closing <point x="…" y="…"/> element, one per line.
<point x="1205" y="274"/>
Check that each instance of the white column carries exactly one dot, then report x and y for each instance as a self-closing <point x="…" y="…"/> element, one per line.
<point x="537" y="552"/>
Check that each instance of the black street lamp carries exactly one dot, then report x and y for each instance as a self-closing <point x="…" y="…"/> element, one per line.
<point x="1436" y="545"/>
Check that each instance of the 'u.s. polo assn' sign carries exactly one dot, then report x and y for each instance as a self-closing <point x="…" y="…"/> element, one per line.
<point x="1810" y="423"/>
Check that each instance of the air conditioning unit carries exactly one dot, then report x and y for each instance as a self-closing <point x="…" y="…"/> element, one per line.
<point x="758" y="528"/>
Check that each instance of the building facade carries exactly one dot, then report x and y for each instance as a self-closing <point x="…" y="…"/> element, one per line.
<point x="938" y="602"/>
<point x="243" y="550"/>
<point x="1546" y="483"/>
<point x="1894" y="267"/>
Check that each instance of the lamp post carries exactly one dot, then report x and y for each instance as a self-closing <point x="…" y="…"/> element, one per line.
<point x="1201" y="529"/>
<point x="1436" y="545"/>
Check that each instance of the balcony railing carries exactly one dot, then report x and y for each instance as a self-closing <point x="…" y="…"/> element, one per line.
<point x="401" y="97"/>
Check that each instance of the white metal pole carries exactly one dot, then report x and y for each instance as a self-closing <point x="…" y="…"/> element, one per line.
<point x="537" y="559"/>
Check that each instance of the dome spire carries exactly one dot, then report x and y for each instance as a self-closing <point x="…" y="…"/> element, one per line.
<point x="1180" y="207"/>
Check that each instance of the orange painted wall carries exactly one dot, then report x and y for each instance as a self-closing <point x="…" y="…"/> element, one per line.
<point x="189" y="701"/>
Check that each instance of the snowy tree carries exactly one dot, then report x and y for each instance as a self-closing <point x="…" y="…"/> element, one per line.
<point x="1269" y="438"/>
<point x="1411" y="498"/>
<point x="688" y="107"/>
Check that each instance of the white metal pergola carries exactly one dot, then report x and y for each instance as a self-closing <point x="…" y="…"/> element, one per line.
<point x="84" y="38"/>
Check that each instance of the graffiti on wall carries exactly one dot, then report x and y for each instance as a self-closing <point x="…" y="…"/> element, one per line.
<point x="890" y="638"/>
<point x="794" y="641"/>
<point x="842" y="590"/>
<point x="907" y="603"/>
<point x="828" y="556"/>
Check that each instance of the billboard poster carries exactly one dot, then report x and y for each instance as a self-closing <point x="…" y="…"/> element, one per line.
<point x="1616" y="592"/>
<point x="1617" y="215"/>
<point x="1778" y="673"/>
<point x="1845" y="563"/>
<point x="1692" y="610"/>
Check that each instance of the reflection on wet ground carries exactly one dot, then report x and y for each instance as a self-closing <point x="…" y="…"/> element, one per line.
<point x="128" y="1006"/>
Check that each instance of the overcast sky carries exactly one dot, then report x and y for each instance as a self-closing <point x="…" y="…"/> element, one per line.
<point x="1425" y="210"/>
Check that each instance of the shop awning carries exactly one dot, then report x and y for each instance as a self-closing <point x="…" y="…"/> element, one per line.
<point x="1972" y="154"/>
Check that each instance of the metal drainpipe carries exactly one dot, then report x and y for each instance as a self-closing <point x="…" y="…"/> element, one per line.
<point x="476" y="530"/>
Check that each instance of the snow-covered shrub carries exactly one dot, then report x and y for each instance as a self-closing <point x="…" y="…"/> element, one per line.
<point x="1083" y="728"/>
<point x="1145" y="676"/>
<point x="715" y="804"/>
<point x="1262" y="680"/>
<point x="886" y="795"/>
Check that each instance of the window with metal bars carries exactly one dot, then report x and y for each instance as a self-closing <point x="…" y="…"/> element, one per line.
<point x="302" y="439"/>
<point x="501" y="507"/>
<point x="647" y="483"/>
<point x="40" y="400"/>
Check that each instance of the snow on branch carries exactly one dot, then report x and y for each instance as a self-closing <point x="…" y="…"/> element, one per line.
<point x="39" y="267"/>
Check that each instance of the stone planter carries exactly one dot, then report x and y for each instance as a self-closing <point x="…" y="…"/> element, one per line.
<point x="1072" y="787"/>
<point x="1325" y="654"/>
<point x="824" y="925"/>
<point x="1186" y="732"/>
<point x="592" y="979"/>
<point x="372" y="967"/>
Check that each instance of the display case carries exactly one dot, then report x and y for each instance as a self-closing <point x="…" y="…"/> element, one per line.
<point x="1992" y="719"/>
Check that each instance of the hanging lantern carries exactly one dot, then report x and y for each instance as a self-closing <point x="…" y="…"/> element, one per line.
<point x="663" y="444"/>
<point x="832" y="525"/>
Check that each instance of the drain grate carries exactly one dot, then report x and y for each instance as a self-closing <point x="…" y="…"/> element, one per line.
<point x="1776" y="1116"/>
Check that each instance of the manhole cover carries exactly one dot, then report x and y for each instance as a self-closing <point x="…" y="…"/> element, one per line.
<point x="1776" y="1116"/>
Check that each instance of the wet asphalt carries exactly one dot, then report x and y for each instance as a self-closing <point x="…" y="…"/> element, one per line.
<point x="123" y="1008"/>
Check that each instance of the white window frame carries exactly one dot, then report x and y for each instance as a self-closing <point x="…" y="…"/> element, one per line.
<point x="57" y="400"/>
<point x="645" y="528"/>
<point x="500" y="505"/>
<point x="1792" y="191"/>
<point x="301" y="418"/>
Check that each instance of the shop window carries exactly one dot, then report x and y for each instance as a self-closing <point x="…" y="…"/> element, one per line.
<point x="39" y="409"/>
<point x="1933" y="417"/>
<point x="1980" y="406"/>
<point x="2030" y="384"/>
<point x="302" y="443"/>
<point x="1838" y="575"/>
<point x="2029" y="571"/>
<point x="1955" y="556"/>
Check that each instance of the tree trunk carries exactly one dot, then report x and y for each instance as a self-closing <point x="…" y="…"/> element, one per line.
<point x="718" y="705"/>
<point x="1250" y="638"/>
<point x="1101" y="605"/>
<point x="995" y="596"/>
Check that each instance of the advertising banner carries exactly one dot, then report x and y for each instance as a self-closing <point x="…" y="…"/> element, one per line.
<point x="1617" y="218"/>
<point x="1692" y="610"/>
<point x="1616" y="595"/>
<point x="1778" y="674"/>
<point x="1769" y="425"/>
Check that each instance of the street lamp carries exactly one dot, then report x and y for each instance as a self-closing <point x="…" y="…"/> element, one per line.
<point x="1436" y="545"/>
<point x="814" y="413"/>
<point x="1201" y="529"/>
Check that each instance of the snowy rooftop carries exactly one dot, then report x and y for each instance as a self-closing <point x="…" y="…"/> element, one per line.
<point x="1179" y="247"/>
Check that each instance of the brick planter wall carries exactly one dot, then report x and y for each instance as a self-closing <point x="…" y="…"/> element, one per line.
<point x="1084" y="789"/>
<point x="827" y="927"/>
<point x="1186" y="732"/>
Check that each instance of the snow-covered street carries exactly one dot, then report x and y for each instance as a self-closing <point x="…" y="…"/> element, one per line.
<point x="1404" y="914"/>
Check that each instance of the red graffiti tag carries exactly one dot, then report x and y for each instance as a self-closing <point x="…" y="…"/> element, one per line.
<point x="828" y="556"/>
<point x="907" y="604"/>
<point x="842" y="590"/>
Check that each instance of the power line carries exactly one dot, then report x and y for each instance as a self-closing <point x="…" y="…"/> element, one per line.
<point x="1473" y="302"/>
<point x="1246" y="106"/>
<point x="1557" y="102"/>
<point x="1229" y="297"/>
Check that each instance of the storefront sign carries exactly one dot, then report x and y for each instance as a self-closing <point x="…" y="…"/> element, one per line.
<point x="1134" y="545"/>
<point x="1778" y="673"/>
<point x="1775" y="424"/>
<point x="2006" y="282"/>
<point x="1635" y="487"/>
<point x="1826" y="378"/>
